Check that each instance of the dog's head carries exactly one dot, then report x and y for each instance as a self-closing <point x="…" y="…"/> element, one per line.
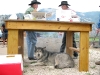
<point x="39" y="52"/>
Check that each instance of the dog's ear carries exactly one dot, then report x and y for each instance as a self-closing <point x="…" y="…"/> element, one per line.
<point x="44" y="48"/>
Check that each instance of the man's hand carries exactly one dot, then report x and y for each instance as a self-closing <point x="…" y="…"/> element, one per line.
<point x="60" y="32"/>
<point x="1" y="29"/>
<point x="74" y="16"/>
<point x="98" y="30"/>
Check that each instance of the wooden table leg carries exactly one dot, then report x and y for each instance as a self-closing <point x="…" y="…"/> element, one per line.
<point x="12" y="42"/>
<point x="21" y="43"/>
<point x="84" y="51"/>
<point x="69" y="42"/>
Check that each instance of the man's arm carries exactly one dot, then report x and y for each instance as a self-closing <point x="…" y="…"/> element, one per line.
<point x="1" y="29"/>
<point x="29" y="10"/>
<point x="73" y="14"/>
<point x="99" y="24"/>
<point x="98" y="30"/>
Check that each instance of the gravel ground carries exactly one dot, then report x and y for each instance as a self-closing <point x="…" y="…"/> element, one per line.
<point x="94" y="55"/>
<point x="30" y="69"/>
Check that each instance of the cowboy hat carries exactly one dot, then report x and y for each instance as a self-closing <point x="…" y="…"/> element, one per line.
<point x="34" y="2"/>
<point x="64" y="3"/>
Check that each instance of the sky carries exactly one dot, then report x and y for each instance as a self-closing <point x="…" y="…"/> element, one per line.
<point x="20" y="6"/>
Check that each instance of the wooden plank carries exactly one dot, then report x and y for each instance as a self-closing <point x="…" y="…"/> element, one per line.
<point x="12" y="42"/>
<point x="69" y="42"/>
<point x="84" y="51"/>
<point x="47" y="21"/>
<point x="53" y="26"/>
<point x="21" y="42"/>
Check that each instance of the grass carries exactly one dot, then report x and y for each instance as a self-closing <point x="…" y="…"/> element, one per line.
<point x="93" y="67"/>
<point x="87" y="74"/>
<point x="32" y="62"/>
<point x="90" y="39"/>
<point x="25" y="66"/>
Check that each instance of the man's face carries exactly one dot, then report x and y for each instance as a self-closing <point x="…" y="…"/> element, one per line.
<point x="64" y="7"/>
<point x="35" y="6"/>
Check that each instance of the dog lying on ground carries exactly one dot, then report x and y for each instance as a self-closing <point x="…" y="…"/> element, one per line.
<point x="57" y="60"/>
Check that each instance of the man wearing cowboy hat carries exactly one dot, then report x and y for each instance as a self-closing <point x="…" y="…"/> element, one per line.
<point x="64" y="5"/>
<point x="31" y="35"/>
<point x="98" y="30"/>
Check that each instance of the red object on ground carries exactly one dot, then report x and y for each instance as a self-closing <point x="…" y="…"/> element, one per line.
<point x="10" y="69"/>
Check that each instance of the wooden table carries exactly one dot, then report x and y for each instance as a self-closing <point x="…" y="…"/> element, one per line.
<point x="16" y="28"/>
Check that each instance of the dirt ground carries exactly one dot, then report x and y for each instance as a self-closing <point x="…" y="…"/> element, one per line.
<point x="30" y="69"/>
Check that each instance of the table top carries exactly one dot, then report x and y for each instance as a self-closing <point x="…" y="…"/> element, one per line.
<point x="48" y="21"/>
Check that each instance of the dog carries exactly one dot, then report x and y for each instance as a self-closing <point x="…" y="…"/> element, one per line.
<point x="55" y="59"/>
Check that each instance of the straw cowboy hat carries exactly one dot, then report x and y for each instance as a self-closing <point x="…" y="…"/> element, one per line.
<point x="34" y="2"/>
<point x="64" y="3"/>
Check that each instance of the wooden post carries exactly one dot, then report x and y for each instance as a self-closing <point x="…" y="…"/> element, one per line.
<point x="21" y="42"/>
<point x="84" y="51"/>
<point x="69" y="42"/>
<point x="12" y="42"/>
